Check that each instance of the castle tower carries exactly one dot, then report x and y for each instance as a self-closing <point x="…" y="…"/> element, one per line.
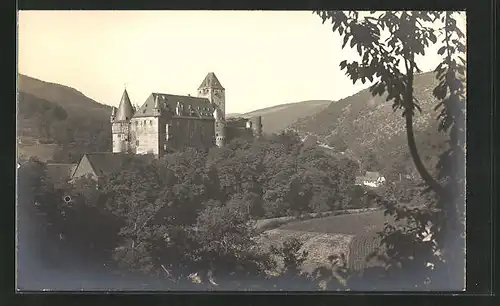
<point x="256" y="126"/>
<point x="211" y="89"/>
<point x="120" y="124"/>
<point x="220" y="128"/>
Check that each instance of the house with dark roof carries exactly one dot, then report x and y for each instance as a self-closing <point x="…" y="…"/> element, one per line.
<point x="167" y="121"/>
<point x="97" y="165"/>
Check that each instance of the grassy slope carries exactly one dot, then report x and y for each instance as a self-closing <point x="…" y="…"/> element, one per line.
<point x="276" y="118"/>
<point x="367" y="123"/>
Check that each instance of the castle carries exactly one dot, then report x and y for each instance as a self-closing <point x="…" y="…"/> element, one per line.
<point x="168" y="122"/>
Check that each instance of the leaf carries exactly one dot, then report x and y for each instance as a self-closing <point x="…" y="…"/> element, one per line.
<point x="335" y="26"/>
<point x="440" y="92"/>
<point x="432" y="37"/>
<point x="346" y="38"/>
<point x="441" y="50"/>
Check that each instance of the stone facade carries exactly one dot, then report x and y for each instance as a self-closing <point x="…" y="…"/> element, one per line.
<point x="168" y="122"/>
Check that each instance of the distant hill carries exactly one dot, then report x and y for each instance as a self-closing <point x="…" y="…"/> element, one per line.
<point x="59" y="123"/>
<point x="367" y="127"/>
<point x="73" y="101"/>
<point x="276" y="118"/>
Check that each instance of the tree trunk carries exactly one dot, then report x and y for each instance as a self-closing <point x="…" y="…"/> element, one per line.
<point x="424" y="174"/>
<point x="408" y="113"/>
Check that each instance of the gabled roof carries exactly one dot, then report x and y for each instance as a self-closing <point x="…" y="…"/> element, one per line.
<point x="60" y="172"/>
<point x="201" y="106"/>
<point x="211" y="81"/>
<point x="125" y="110"/>
<point x="105" y="162"/>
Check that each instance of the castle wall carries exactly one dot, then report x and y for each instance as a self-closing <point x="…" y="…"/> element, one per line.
<point x="191" y="132"/>
<point x="256" y="126"/>
<point x="237" y="128"/>
<point x="145" y="136"/>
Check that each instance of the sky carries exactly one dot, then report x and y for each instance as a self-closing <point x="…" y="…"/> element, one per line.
<point x="262" y="58"/>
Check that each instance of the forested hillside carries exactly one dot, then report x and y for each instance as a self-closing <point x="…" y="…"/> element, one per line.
<point x="60" y="119"/>
<point x="370" y="131"/>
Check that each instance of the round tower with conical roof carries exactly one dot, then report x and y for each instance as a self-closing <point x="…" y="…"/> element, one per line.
<point x="120" y="124"/>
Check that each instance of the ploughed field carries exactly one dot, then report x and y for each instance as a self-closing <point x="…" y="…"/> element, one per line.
<point x="349" y="224"/>
<point x="353" y="235"/>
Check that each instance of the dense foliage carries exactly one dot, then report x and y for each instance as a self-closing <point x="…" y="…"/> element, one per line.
<point x="74" y="134"/>
<point x="429" y="249"/>
<point x="192" y="212"/>
<point x="189" y="215"/>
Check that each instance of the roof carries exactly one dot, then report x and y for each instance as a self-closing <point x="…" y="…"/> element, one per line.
<point x="372" y="175"/>
<point x="359" y="180"/>
<point x="125" y="110"/>
<point x="201" y="106"/>
<point x="211" y="81"/>
<point x="105" y="162"/>
<point x="59" y="172"/>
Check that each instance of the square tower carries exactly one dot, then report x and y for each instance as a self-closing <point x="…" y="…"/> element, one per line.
<point x="212" y="89"/>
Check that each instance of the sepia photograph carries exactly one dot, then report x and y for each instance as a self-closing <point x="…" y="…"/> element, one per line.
<point x="241" y="151"/>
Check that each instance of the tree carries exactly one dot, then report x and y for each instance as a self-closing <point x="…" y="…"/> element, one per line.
<point x="388" y="43"/>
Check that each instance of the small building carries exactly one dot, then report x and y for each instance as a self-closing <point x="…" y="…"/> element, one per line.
<point x="370" y="179"/>
<point x="98" y="164"/>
